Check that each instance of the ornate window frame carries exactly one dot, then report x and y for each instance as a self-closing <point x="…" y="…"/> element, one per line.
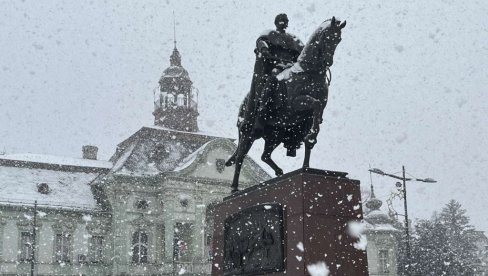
<point x="141" y="225"/>
<point x="383" y="261"/>
<point x="181" y="245"/>
<point x="100" y="231"/>
<point x="23" y="226"/>
<point x="66" y="231"/>
<point x="141" y="204"/>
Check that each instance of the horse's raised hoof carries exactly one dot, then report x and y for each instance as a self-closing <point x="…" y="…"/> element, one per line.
<point x="279" y="172"/>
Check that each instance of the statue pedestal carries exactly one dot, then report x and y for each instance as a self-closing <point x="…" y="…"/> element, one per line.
<point x="288" y="223"/>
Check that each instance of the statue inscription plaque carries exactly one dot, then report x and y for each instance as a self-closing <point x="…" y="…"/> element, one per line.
<point x="254" y="241"/>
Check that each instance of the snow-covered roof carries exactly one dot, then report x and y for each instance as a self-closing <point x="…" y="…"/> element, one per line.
<point x="57" y="160"/>
<point x="67" y="189"/>
<point x="202" y="133"/>
<point x="174" y="72"/>
<point x="153" y="150"/>
<point x="382" y="227"/>
<point x="187" y="161"/>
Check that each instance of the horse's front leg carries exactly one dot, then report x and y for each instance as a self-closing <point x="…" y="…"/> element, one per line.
<point x="317" y="106"/>
<point x="310" y="103"/>
<point x="269" y="147"/>
<point x="245" y="143"/>
<point x="306" y="160"/>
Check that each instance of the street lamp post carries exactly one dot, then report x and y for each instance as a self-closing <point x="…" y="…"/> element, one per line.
<point x="33" y="245"/>
<point x="404" y="190"/>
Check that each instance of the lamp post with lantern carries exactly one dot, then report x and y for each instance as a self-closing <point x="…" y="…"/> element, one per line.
<point x="403" y="187"/>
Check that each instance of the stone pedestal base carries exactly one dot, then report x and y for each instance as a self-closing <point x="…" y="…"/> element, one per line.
<point x="289" y="223"/>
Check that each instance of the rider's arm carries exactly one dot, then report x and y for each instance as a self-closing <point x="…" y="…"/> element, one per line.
<point x="262" y="47"/>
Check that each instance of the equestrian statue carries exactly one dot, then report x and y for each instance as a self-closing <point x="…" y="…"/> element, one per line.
<point x="288" y="92"/>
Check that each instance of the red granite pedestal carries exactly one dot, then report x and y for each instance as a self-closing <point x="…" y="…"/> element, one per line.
<point x="305" y="214"/>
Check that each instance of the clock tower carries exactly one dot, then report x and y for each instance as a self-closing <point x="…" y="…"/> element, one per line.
<point x="175" y="104"/>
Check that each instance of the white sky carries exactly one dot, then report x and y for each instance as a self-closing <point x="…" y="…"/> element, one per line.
<point x="408" y="82"/>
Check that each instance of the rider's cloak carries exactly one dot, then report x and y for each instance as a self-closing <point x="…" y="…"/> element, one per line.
<point x="283" y="49"/>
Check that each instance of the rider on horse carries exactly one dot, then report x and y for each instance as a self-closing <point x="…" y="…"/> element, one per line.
<point x="286" y="108"/>
<point x="275" y="51"/>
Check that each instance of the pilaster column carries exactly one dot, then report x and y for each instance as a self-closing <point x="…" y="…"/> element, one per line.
<point x="2" y="226"/>
<point x="169" y="227"/>
<point x="199" y="229"/>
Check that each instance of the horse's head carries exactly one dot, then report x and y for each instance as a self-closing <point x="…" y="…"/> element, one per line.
<point x="319" y="50"/>
<point x="330" y="37"/>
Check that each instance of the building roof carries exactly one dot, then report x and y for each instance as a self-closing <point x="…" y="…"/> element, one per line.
<point x="380" y="227"/>
<point x="56" y="160"/>
<point x="66" y="189"/>
<point x="67" y="179"/>
<point x="174" y="72"/>
<point x="155" y="150"/>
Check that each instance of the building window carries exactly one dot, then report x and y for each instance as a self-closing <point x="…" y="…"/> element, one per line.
<point x="180" y="100"/>
<point x="26" y="242"/>
<point x="383" y="261"/>
<point x="158" y="153"/>
<point x="184" y="202"/>
<point x="157" y="98"/>
<point x="182" y="241"/>
<point x="208" y="247"/>
<point x="63" y="244"/>
<point x="142" y="204"/>
<point x="220" y="165"/>
<point x="209" y="222"/>
<point x="96" y="249"/>
<point x="139" y="247"/>
<point x="43" y="188"/>
<point x="163" y="99"/>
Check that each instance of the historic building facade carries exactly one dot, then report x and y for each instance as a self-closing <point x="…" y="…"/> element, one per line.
<point x="71" y="226"/>
<point x="146" y="211"/>
<point x="383" y="236"/>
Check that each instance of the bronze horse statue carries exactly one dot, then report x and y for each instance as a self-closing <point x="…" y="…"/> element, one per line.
<point x="296" y="99"/>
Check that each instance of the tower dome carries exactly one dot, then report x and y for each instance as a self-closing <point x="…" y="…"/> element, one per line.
<point x="375" y="214"/>
<point x="175" y="70"/>
<point x="175" y="104"/>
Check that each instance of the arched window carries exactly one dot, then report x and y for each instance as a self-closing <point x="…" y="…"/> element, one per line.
<point x="180" y="100"/>
<point x="63" y="247"/>
<point x="383" y="261"/>
<point x="164" y="97"/>
<point x="157" y="97"/>
<point x="209" y="229"/>
<point x="139" y="247"/>
<point x="182" y="242"/>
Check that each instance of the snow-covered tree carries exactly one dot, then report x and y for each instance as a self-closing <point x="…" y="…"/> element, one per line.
<point x="445" y="244"/>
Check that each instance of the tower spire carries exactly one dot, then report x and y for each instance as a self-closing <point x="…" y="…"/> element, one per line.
<point x="373" y="203"/>
<point x="175" y="58"/>
<point x="174" y="28"/>
<point x="371" y="182"/>
<point x="176" y="105"/>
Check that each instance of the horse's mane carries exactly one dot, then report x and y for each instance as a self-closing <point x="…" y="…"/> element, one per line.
<point x="310" y="57"/>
